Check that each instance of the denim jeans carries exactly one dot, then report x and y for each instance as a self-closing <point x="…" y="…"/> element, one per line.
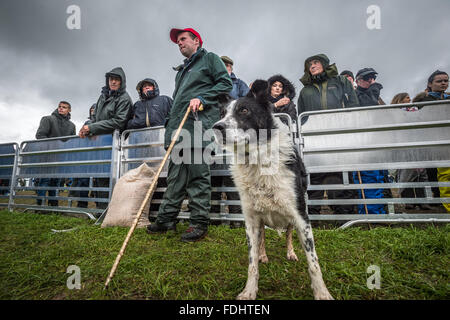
<point x="47" y="182"/>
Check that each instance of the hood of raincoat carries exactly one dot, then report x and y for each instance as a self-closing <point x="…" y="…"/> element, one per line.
<point x="329" y="70"/>
<point x="288" y="87"/>
<point x="140" y="84"/>
<point x="119" y="73"/>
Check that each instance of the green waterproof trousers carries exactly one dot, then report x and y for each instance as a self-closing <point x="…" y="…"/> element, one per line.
<point x="193" y="181"/>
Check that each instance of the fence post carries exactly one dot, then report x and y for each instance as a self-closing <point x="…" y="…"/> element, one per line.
<point x="114" y="173"/>
<point x="13" y="180"/>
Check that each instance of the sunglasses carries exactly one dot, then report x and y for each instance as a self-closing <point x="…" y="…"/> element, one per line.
<point x="369" y="76"/>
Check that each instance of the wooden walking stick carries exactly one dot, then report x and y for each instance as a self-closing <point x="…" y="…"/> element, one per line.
<point x="147" y="197"/>
<point x="362" y="192"/>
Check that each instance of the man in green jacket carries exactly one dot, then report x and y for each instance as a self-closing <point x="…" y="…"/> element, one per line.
<point x="199" y="81"/>
<point x="326" y="89"/>
<point x="110" y="113"/>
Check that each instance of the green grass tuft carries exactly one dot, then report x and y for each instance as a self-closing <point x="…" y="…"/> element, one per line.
<point x="414" y="262"/>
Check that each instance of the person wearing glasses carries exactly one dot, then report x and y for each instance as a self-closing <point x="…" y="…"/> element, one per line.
<point x="368" y="90"/>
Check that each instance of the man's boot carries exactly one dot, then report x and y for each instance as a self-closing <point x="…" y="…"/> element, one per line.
<point x="156" y="227"/>
<point x="194" y="233"/>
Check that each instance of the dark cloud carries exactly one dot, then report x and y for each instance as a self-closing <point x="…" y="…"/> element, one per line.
<point x="43" y="62"/>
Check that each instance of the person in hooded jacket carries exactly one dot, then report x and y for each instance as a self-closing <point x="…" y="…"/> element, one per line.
<point x="58" y="124"/>
<point x="152" y="109"/>
<point x="281" y="94"/>
<point x="325" y="89"/>
<point x="111" y="113"/>
<point x="113" y="107"/>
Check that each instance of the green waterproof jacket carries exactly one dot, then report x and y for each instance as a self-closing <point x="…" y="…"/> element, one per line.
<point x="113" y="107"/>
<point x="55" y="125"/>
<point x="203" y="76"/>
<point x="333" y="92"/>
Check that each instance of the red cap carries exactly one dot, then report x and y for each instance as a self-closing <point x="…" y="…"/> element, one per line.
<point x="174" y="34"/>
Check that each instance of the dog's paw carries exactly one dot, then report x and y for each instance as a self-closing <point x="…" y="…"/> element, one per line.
<point x="323" y="295"/>
<point x="245" y="295"/>
<point x="292" y="256"/>
<point x="263" y="258"/>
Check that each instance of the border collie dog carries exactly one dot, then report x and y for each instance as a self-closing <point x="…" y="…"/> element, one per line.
<point x="270" y="178"/>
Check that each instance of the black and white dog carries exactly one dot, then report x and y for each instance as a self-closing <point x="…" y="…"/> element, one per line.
<point x="270" y="177"/>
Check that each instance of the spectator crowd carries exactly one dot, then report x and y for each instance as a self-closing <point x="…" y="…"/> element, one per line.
<point x="199" y="80"/>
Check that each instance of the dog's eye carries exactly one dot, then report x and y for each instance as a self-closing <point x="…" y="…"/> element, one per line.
<point x="243" y="110"/>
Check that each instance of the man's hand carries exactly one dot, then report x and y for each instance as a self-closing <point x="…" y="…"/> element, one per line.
<point x="195" y="105"/>
<point x="84" y="131"/>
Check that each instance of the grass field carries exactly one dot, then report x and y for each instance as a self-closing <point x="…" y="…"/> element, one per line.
<point x="414" y="262"/>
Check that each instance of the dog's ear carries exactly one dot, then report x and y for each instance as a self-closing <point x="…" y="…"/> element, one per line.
<point x="259" y="89"/>
<point x="224" y="101"/>
<point x="260" y="92"/>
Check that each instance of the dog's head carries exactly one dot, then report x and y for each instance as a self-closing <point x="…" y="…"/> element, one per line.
<point x="244" y="119"/>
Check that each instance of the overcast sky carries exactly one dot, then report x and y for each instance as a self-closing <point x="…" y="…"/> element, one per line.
<point x="43" y="62"/>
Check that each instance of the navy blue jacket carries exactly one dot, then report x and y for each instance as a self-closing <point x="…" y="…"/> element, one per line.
<point x="151" y="110"/>
<point x="240" y="88"/>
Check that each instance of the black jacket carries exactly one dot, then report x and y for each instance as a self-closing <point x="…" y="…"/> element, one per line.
<point x="370" y="96"/>
<point x="288" y="91"/>
<point x="55" y="125"/>
<point x="150" y="111"/>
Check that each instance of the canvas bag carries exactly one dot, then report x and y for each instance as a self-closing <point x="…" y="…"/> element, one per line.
<point x="128" y="195"/>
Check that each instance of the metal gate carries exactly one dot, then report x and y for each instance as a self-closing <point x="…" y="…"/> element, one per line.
<point x="374" y="138"/>
<point x="8" y="158"/>
<point x="54" y="165"/>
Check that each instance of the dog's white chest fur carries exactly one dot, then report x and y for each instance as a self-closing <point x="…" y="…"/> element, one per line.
<point x="271" y="196"/>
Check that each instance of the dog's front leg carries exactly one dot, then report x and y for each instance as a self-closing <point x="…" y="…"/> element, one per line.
<point x="253" y="235"/>
<point x="305" y="235"/>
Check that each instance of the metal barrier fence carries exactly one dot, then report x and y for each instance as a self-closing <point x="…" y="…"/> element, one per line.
<point x="344" y="140"/>
<point x="68" y="168"/>
<point x="8" y="155"/>
<point x="377" y="138"/>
